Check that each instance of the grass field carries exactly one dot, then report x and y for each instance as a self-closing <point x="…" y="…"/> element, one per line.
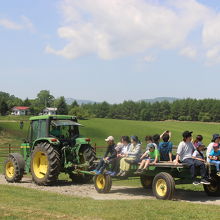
<point x="21" y="203"/>
<point x="99" y="129"/>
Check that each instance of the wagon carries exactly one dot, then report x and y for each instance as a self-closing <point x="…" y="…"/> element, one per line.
<point x="162" y="178"/>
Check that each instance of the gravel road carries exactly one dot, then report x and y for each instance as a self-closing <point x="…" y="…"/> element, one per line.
<point x="116" y="193"/>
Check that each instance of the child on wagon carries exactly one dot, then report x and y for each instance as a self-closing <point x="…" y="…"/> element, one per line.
<point x="165" y="148"/>
<point x="214" y="157"/>
<point x="151" y="156"/>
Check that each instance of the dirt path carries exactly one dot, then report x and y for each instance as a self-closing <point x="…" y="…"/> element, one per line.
<point x="117" y="192"/>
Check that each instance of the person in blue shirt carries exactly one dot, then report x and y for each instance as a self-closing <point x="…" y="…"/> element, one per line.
<point x="214" y="157"/>
<point x="165" y="148"/>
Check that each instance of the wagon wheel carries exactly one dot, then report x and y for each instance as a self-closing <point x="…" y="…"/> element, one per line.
<point x="103" y="183"/>
<point x="163" y="186"/>
<point x="214" y="188"/>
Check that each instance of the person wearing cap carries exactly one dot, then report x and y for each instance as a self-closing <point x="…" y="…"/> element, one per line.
<point x="214" y="157"/>
<point x="184" y="154"/>
<point x="131" y="156"/>
<point x="215" y="139"/>
<point x="150" y="156"/>
<point x="109" y="155"/>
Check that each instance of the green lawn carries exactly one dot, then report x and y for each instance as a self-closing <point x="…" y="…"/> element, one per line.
<point x="21" y="203"/>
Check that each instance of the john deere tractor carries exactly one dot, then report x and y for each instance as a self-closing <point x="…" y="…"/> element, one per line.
<point x="54" y="145"/>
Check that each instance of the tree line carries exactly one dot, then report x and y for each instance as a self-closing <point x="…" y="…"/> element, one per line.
<point x="206" y="110"/>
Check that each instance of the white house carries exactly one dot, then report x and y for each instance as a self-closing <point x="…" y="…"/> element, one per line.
<point x="50" y="111"/>
<point x="20" y="110"/>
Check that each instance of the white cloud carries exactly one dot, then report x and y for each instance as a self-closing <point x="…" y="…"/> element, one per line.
<point x="10" y="24"/>
<point x="27" y="24"/>
<point x="24" y="24"/>
<point x="189" y="52"/>
<point x="149" y="59"/>
<point x="115" y="28"/>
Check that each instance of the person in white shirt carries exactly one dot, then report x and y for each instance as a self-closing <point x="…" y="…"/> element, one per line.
<point x="184" y="155"/>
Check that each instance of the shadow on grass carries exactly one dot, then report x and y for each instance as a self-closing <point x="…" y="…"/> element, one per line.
<point x="180" y="194"/>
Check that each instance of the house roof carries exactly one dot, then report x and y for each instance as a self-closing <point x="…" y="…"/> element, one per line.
<point x="50" y="109"/>
<point x="21" y="108"/>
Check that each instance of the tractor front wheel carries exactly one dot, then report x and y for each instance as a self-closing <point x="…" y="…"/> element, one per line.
<point x="45" y="164"/>
<point x="103" y="183"/>
<point x="14" y="168"/>
<point x="163" y="186"/>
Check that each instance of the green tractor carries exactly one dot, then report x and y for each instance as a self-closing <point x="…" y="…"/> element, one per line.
<point x="54" y="145"/>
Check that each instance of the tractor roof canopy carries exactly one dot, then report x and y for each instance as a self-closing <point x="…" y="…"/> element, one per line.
<point x="64" y="123"/>
<point x="52" y="117"/>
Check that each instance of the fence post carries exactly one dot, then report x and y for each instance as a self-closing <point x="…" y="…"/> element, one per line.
<point x="95" y="147"/>
<point x="9" y="148"/>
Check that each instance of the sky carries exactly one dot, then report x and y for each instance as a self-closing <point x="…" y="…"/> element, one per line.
<point x="116" y="50"/>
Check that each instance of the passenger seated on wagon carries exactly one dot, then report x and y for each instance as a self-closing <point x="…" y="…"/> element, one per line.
<point x="109" y="156"/>
<point x="184" y="154"/>
<point x="165" y="148"/>
<point x="132" y="155"/>
<point x="149" y="140"/>
<point x="214" y="157"/>
<point x="215" y="139"/>
<point x="198" y="139"/>
<point x="150" y="156"/>
<point x="121" y="149"/>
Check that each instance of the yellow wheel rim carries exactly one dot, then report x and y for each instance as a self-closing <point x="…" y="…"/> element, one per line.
<point x="161" y="187"/>
<point x="100" y="181"/>
<point x="40" y="164"/>
<point x="10" y="170"/>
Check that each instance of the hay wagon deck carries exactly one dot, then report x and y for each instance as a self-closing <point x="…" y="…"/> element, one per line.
<point x="162" y="178"/>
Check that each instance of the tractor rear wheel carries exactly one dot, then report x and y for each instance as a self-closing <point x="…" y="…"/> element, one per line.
<point x="163" y="186"/>
<point x="103" y="183"/>
<point x="87" y="154"/>
<point x="45" y="164"/>
<point x="14" y="168"/>
<point x="146" y="181"/>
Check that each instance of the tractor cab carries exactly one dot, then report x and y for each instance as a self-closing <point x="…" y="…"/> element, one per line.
<point x="61" y="128"/>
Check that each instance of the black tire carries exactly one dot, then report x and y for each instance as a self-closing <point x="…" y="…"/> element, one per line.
<point x="214" y="188"/>
<point x="103" y="183"/>
<point x="80" y="178"/>
<point x="14" y="168"/>
<point x="45" y="164"/>
<point x="146" y="181"/>
<point x="87" y="154"/>
<point x="163" y="186"/>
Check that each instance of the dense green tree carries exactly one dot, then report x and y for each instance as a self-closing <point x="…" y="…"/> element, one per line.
<point x="44" y="98"/>
<point x="62" y="108"/>
<point x="3" y="107"/>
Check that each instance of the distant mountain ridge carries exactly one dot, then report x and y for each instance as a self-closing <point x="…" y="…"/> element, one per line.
<point x="160" y="99"/>
<point x="69" y="101"/>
